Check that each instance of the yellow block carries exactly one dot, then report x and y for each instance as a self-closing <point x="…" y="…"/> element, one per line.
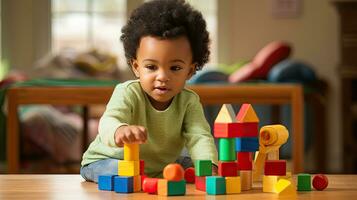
<point x="162" y="187"/>
<point x="131" y="152"/>
<point x="287" y="177"/>
<point x="226" y="114"/>
<point x="128" y="168"/>
<point x="137" y="183"/>
<point x="269" y="183"/>
<point x="285" y="187"/>
<point x="233" y="185"/>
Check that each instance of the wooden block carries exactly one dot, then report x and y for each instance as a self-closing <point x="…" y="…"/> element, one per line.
<point x="171" y="188"/>
<point x="227" y="149"/>
<point x="247" y="129"/>
<point x="247" y="144"/>
<point x="246" y="180"/>
<point x="269" y="183"/>
<point x="288" y="177"/>
<point x="273" y="155"/>
<point x="203" y="167"/>
<point x="244" y="160"/>
<point x="142" y="167"/>
<point x="285" y="187"/>
<point x="131" y="152"/>
<point x="225" y="130"/>
<point x="143" y="177"/>
<point x="258" y="165"/>
<point x="150" y="185"/>
<point x="227" y="168"/>
<point x="273" y="135"/>
<point x="226" y="114"/>
<point x="200" y="183"/>
<point x="215" y="185"/>
<point x="173" y="172"/>
<point x="123" y="184"/>
<point x="137" y="183"/>
<point x="128" y="168"/>
<point x="106" y="182"/>
<point x="304" y="182"/>
<point x="247" y="114"/>
<point x="320" y="182"/>
<point x="275" y="168"/>
<point x="233" y="185"/>
<point x="190" y="175"/>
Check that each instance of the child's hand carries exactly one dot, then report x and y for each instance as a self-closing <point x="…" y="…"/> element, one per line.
<point x="130" y="134"/>
<point x="214" y="170"/>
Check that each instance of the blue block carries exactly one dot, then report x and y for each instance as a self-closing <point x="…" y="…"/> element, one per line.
<point x="123" y="184"/>
<point x="106" y="182"/>
<point x="247" y="144"/>
<point x="215" y="185"/>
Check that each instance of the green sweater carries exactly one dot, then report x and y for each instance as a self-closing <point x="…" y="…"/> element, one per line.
<point x="181" y="124"/>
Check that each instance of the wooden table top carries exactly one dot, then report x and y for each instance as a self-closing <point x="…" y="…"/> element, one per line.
<point x="74" y="187"/>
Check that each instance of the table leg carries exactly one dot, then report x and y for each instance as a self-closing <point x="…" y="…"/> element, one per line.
<point x="297" y="105"/>
<point x="12" y="136"/>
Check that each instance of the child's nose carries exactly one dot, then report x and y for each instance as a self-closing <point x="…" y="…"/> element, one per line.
<point x="163" y="76"/>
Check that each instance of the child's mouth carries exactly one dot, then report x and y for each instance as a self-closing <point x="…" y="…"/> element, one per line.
<point x="161" y="90"/>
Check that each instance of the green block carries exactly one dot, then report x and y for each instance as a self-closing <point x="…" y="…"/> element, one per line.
<point x="215" y="185"/>
<point x="203" y="168"/>
<point x="176" y="188"/>
<point x="304" y="182"/>
<point x="227" y="150"/>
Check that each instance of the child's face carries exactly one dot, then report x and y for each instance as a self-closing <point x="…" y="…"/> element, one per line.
<point x="163" y="66"/>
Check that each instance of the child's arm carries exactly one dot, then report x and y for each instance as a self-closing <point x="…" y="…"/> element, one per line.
<point x="198" y="138"/>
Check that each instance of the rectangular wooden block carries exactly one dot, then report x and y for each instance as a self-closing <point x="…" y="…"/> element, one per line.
<point x="131" y="152"/>
<point x="247" y="129"/>
<point x="269" y="183"/>
<point x="225" y="130"/>
<point x="245" y="160"/>
<point x="227" y="149"/>
<point x="233" y="185"/>
<point x="123" y="184"/>
<point x="137" y="183"/>
<point x="304" y="182"/>
<point x="106" y="182"/>
<point x="203" y="167"/>
<point x="275" y="168"/>
<point x="247" y="144"/>
<point x="171" y="188"/>
<point x="215" y="185"/>
<point x="128" y="168"/>
<point x="142" y="167"/>
<point x="246" y="180"/>
<point x="227" y="168"/>
<point x="200" y="183"/>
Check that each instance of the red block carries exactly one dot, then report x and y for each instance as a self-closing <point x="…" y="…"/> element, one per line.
<point x="275" y="168"/>
<point x="320" y="182"/>
<point x="142" y="167"/>
<point x="190" y="175"/>
<point x="245" y="160"/>
<point x="247" y="129"/>
<point x="227" y="169"/>
<point x="150" y="185"/>
<point x="225" y="130"/>
<point x="200" y="182"/>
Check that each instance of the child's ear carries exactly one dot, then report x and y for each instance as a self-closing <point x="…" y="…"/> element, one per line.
<point x="192" y="71"/>
<point x="134" y="67"/>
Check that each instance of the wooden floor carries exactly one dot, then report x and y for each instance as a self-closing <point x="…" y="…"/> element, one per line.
<point x="74" y="187"/>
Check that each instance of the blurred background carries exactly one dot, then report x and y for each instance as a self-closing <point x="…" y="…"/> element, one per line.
<point x="79" y="40"/>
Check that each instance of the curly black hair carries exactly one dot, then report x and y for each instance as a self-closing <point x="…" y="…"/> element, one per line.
<point x="167" y="19"/>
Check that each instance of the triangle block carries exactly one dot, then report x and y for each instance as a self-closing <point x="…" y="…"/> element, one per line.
<point x="285" y="187"/>
<point x="226" y="114"/>
<point x="247" y="114"/>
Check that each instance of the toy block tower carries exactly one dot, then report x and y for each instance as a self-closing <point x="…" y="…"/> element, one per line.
<point x="247" y="143"/>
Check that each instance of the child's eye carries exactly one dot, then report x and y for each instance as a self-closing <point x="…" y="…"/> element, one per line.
<point x="150" y="67"/>
<point x="176" y="68"/>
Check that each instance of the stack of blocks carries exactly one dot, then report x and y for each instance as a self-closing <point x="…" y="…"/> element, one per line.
<point x="130" y="173"/>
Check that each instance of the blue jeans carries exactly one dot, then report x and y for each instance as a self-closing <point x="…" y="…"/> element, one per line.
<point x="108" y="166"/>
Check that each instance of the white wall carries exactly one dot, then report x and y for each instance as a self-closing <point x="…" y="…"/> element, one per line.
<point x="249" y="25"/>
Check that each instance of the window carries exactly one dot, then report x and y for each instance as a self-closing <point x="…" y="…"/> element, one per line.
<point x="87" y="24"/>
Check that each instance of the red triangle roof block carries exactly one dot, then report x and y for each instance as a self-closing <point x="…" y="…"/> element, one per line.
<point x="247" y="114"/>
